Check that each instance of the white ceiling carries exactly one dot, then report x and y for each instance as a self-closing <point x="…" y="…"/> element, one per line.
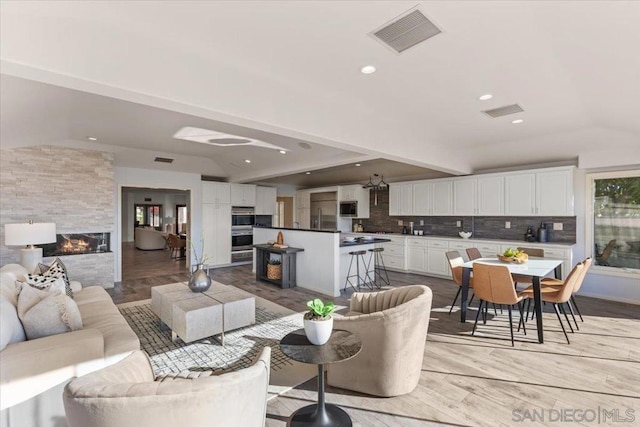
<point x="291" y="69"/>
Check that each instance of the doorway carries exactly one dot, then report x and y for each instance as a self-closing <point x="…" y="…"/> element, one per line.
<point x="284" y="212"/>
<point x="145" y="254"/>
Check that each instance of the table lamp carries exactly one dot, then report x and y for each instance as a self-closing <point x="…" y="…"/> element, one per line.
<point x="29" y="234"/>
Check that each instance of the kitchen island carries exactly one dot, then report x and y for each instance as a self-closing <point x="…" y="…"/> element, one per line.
<point x="323" y="265"/>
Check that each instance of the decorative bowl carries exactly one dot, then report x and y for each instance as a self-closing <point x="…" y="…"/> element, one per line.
<point x="514" y="259"/>
<point x="465" y="234"/>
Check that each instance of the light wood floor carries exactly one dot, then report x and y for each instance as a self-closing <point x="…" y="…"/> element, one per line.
<point x="478" y="380"/>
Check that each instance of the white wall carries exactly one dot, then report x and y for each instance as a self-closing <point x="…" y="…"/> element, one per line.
<point x="623" y="286"/>
<point x="131" y="177"/>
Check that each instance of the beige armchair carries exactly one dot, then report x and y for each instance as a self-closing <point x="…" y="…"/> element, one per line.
<point x="393" y="328"/>
<point x="126" y="395"/>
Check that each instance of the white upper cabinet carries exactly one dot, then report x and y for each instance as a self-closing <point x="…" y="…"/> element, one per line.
<point x="490" y="195"/>
<point x="554" y="193"/>
<point x="520" y="194"/>
<point x="442" y="198"/>
<point x="464" y="197"/>
<point x="422" y="194"/>
<point x="243" y="195"/>
<point x="348" y="193"/>
<point x="478" y="196"/>
<point x="543" y="193"/>
<point x="266" y="200"/>
<point x="401" y="198"/>
<point x="216" y="192"/>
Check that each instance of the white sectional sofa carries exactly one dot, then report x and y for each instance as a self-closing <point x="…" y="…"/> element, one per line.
<point x="33" y="372"/>
<point x="149" y="239"/>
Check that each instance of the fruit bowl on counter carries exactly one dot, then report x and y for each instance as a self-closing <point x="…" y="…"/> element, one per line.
<point x="465" y="234"/>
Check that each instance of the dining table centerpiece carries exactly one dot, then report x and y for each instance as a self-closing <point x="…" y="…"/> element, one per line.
<point x="513" y="256"/>
<point x="318" y="321"/>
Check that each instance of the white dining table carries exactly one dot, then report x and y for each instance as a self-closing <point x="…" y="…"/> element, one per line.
<point x="537" y="268"/>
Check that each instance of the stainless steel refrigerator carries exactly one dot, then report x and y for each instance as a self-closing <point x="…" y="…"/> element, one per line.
<point x="324" y="211"/>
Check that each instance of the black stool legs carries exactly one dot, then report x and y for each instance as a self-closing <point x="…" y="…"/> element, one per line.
<point x="359" y="257"/>
<point x="379" y="269"/>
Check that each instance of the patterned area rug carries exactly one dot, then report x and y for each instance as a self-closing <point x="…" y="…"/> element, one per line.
<point x="241" y="346"/>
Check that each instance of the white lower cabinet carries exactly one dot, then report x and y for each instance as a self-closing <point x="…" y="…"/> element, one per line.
<point x="417" y="259"/>
<point x="488" y="249"/>
<point x="437" y="262"/>
<point x="427" y="256"/>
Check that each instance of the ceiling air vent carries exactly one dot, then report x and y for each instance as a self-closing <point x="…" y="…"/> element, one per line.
<point x="504" y="111"/>
<point x="406" y="31"/>
<point x="163" y="160"/>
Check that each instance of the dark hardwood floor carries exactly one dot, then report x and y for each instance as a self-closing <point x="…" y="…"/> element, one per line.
<point x="467" y="380"/>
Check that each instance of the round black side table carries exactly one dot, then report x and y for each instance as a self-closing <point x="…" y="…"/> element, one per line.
<point x="341" y="346"/>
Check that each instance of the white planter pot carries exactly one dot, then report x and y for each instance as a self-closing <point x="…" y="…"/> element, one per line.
<point x="318" y="331"/>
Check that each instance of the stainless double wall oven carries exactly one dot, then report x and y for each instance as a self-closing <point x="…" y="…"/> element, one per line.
<point x="242" y="221"/>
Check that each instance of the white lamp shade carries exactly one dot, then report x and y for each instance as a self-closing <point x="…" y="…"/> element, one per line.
<point x="29" y="233"/>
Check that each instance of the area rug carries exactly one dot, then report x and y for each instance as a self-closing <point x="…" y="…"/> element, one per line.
<point x="241" y="346"/>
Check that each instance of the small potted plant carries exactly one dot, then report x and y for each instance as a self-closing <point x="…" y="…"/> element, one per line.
<point x="318" y="322"/>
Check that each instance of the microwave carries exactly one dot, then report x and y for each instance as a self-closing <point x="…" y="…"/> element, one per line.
<point x="349" y="209"/>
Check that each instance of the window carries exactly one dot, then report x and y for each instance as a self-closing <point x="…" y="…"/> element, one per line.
<point x="615" y="219"/>
<point x="148" y="215"/>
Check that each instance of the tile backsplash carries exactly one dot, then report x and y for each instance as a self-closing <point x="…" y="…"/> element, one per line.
<point x="490" y="227"/>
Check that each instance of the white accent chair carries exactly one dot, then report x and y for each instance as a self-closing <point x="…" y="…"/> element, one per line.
<point x="127" y="395"/>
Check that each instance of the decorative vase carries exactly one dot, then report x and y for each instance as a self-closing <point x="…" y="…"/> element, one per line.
<point x="318" y="332"/>
<point x="199" y="280"/>
<point x="280" y="238"/>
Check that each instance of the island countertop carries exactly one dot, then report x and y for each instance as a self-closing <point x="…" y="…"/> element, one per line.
<point x="359" y="242"/>
<point x="298" y="229"/>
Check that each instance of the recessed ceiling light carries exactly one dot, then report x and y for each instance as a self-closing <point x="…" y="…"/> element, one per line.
<point x="358" y="165"/>
<point x="247" y="161"/>
<point x="485" y="97"/>
<point x="517" y="121"/>
<point x="283" y="152"/>
<point x="308" y="173"/>
<point x="92" y="138"/>
<point x="368" y="69"/>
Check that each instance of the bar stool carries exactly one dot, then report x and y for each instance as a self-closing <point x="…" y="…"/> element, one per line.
<point x="359" y="257"/>
<point x="378" y="268"/>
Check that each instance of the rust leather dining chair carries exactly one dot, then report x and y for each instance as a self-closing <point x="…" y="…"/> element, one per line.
<point x="528" y="280"/>
<point x="493" y="283"/>
<point x="473" y="253"/>
<point x="177" y="246"/>
<point x="455" y="263"/>
<point x="559" y="295"/>
<point x="548" y="282"/>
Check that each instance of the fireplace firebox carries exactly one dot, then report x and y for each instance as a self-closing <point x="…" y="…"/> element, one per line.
<point x="78" y="244"/>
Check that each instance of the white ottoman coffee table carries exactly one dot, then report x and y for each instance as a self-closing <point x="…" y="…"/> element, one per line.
<point x="194" y="316"/>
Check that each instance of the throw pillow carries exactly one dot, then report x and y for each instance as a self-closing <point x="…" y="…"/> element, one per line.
<point x="11" y="329"/>
<point x="47" y="313"/>
<point x="44" y="283"/>
<point x="57" y="269"/>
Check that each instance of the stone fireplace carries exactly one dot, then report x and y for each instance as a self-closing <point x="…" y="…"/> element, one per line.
<point x="78" y="244"/>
